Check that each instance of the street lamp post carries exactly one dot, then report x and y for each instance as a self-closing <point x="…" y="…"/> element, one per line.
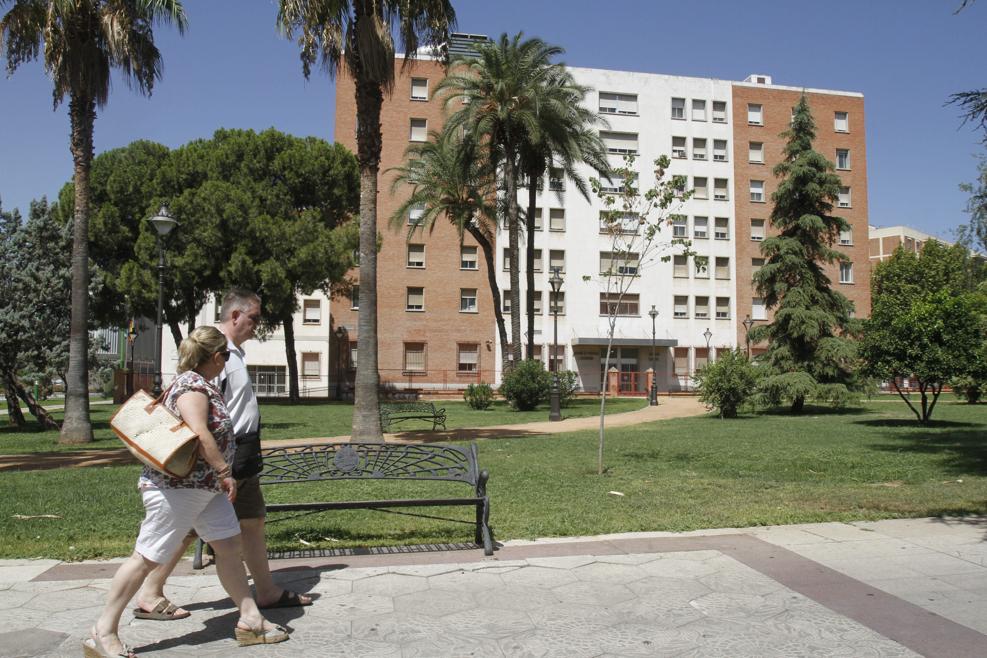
<point x="555" y="411"/>
<point x="653" y="392"/>
<point x="131" y="339"/>
<point x="748" y="323"/>
<point x="163" y="223"/>
<point x="707" y="335"/>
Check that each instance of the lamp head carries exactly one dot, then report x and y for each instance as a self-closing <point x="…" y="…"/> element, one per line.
<point x="556" y="280"/>
<point x="653" y="312"/>
<point x="163" y="222"/>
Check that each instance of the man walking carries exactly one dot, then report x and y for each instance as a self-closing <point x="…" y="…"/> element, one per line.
<point x="239" y="317"/>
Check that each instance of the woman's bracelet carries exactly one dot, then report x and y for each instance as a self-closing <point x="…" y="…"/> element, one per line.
<point x="224" y="472"/>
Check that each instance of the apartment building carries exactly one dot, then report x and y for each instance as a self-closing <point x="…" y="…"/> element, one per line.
<point x="884" y="241"/>
<point x="436" y="316"/>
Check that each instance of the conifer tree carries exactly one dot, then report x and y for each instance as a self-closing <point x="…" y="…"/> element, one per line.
<point x="808" y="352"/>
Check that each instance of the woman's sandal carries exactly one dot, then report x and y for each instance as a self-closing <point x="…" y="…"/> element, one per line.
<point x="93" y="648"/>
<point x="246" y="637"/>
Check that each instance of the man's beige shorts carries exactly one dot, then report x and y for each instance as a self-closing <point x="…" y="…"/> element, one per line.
<point x="249" y="503"/>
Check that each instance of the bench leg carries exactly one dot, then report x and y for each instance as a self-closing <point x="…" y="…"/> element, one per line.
<point x="483" y="534"/>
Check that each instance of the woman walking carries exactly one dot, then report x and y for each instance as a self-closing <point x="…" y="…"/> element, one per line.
<point x="201" y="501"/>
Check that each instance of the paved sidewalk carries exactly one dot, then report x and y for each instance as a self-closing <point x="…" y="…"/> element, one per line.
<point x="888" y="588"/>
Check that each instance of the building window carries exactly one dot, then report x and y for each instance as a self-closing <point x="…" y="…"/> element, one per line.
<point x="620" y="143"/>
<point x="416" y="256"/>
<point x="354" y="298"/>
<point x="556" y="302"/>
<point x="758" y="310"/>
<point x="619" y="264"/>
<point x="415" y="214"/>
<point x="414" y="357"/>
<point x="556" y="358"/>
<point x="721" y="228"/>
<point x="419" y="130"/>
<point x="755" y="152"/>
<point x="719" y="150"/>
<point x="416" y="299"/>
<point x="842" y="158"/>
<point x="699" y="185"/>
<point x="719" y="112"/>
<point x="698" y="148"/>
<point x="217" y="315"/>
<point x="469" y="357"/>
<point x="702" y="308"/>
<point x="756" y="265"/>
<point x="419" y="89"/>
<point x="681" y="361"/>
<point x="722" y="268"/>
<point x="681" y="307"/>
<point x="722" y="308"/>
<point x="537" y="260"/>
<point x="844" y="200"/>
<point x="615" y="304"/>
<point x="536" y="302"/>
<point x="720" y="187"/>
<point x="846" y="272"/>
<point x="841" y="122"/>
<point x="702" y="267"/>
<point x="698" y="110"/>
<point x="468" y="259"/>
<point x="556" y="219"/>
<point x="613" y="103"/>
<point x="680" y="267"/>
<point x="757" y="230"/>
<point x="846" y="237"/>
<point x="678" y="147"/>
<point x="268" y="380"/>
<point x="311" y="365"/>
<point x="507" y="259"/>
<point x="754" y="114"/>
<point x="311" y="311"/>
<point x="537" y="224"/>
<point x="619" y="222"/>
<point x="700" y="228"/>
<point x="467" y="300"/>
<point x="616" y="184"/>
<point x="757" y="191"/>
<point x="678" y="108"/>
<point x="354" y="351"/>
<point x="556" y="180"/>
<point x="505" y="307"/>
<point x="556" y="259"/>
<point x="680" y="226"/>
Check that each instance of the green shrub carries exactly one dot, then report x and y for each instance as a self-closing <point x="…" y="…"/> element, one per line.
<point x="479" y="396"/>
<point x="966" y="387"/>
<point x="568" y="385"/>
<point x="526" y="385"/>
<point x="727" y="382"/>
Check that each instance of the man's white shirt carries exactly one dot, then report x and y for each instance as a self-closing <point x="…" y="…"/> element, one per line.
<point x="241" y="401"/>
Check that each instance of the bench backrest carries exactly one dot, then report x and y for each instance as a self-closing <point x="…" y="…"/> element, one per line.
<point x="382" y="461"/>
<point x="392" y="408"/>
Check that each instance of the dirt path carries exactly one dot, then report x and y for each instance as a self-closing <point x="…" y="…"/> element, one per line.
<point x="673" y="407"/>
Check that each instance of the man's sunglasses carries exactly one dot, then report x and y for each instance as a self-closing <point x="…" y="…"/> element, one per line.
<point x="225" y="354"/>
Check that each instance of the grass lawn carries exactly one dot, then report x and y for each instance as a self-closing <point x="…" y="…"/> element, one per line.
<point x="866" y="463"/>
<point x="307" y="420"/>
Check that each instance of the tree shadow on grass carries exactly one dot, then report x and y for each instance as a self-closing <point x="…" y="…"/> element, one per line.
<point x="815" y="410"/>
<point x="912" y="423"/>
<point x="961" y="452"/>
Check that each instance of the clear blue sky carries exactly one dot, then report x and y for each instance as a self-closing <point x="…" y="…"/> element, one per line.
<point x="233" y="70"/>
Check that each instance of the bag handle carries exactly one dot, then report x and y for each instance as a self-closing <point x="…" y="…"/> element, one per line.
<point x="159" y="400"/>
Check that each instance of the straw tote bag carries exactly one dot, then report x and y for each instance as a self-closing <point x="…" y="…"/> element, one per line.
<point x="155" y="435"/>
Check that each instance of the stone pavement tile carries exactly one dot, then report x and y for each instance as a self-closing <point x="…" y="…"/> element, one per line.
<point x="677" y="591"/>
<point x="70" y="599"/>
<point x="903" y="587"/>
<point x="605" y="572"/>
<point x="26" y="644"/>
<point x="466" y="581"/>
<point x="389" y="584"/>
<point x="550" y="643"/>
<point x="575" y="618"/>
<point x="436" y="603"/>
<point x="742" y="580"/>
<point x="838" y="531"/>
<point x="738" y="607"/>
<point x="659" y="610"/>
<point x="936" y="564"/>
<point x="593" y="593"/>
<point x="631" y="558"/>
<point x="647" y="640"/>
<point x="788" y="536"/>
<point x="869" y="568"/>
<point x="566" y="562"/>
<point x="538" y="577"/>
<point x="452" y="646"/>
<point x="424" y="569"/>
<point x="677" y="567"/>
<point x="13" y="571"/>
<point x="487" y="622"/>
<point x="967" y="529"/>
<point x="398" y="627"/>
<point x="17" y="619"/>
<point x="518" y="597"/>
<point x="355" y="605"/>
<point x="877" y="547"/>
<point x="966" y="580"/>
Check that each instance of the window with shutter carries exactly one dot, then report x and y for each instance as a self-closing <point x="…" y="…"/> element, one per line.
<point x="311" y="311"/>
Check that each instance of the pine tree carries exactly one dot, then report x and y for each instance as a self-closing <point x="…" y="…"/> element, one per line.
<point x="808" y="352"/>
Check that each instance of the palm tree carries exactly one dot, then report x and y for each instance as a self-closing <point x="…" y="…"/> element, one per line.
<point x="358" y="33"/>
<point x="518" y="103"/>
<point x="83" y="40"/>
<point x="568" y="135"/>
<point x="448" y="177"/>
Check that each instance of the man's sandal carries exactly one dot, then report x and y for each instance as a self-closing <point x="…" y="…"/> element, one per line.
<point x="246" y="637"/>
<point x="93" y="648"/>
<point x="288" y="599"/>
<point x="163" y="610"/>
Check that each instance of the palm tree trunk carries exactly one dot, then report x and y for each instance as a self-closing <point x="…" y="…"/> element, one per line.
<point x="489" y="259"/>
<point x="288" y="324"/>
<point x="513" y="228"/>
<point x="529" y="304"/>
<point x="77" y="428"/>
<point x="366" y="411"/>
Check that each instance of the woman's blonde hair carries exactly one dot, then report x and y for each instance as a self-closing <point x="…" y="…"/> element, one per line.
<point x="201" y="344"/>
